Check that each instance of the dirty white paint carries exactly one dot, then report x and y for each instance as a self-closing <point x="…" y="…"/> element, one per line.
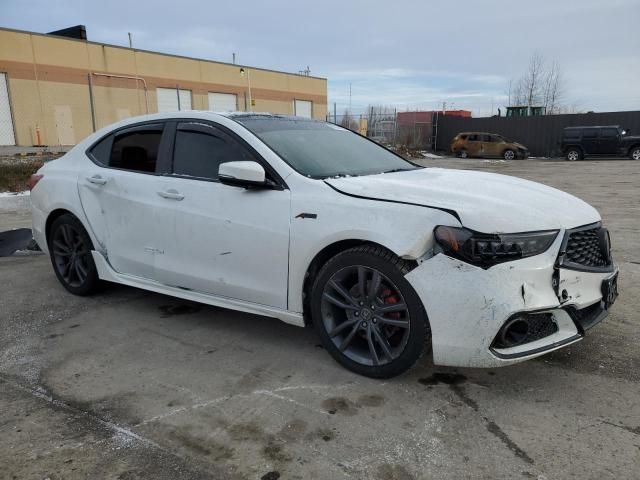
<point x="249" y="250"/>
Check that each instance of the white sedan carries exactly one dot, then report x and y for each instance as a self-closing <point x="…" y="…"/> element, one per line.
<point x="308" y="222"/>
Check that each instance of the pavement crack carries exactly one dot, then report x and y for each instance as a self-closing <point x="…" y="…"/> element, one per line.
<point x="491" y="426"/>
<point x="634" y="430"/>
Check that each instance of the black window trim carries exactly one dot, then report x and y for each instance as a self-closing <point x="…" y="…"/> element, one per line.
<point x="162" y="126"/>
<point x="172" y="130"/>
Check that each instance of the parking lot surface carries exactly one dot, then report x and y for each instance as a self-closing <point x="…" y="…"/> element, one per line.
<point x="128" y="384"/>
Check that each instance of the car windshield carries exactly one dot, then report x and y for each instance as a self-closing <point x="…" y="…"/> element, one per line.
<point x="321" y="150"/>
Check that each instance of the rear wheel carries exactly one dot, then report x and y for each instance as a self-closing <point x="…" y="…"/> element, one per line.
<point x="634" y="154"/>
<point x="509" y="154"/>
<point x="70" y="250"/>
<point x="573" y="154"/>
<point x="368" y="316"/>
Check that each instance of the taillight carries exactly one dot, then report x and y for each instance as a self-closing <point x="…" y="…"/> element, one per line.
<point x="33" y="180"/>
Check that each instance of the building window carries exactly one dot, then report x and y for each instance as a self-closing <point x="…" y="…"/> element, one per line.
<point x="173" y="99"/>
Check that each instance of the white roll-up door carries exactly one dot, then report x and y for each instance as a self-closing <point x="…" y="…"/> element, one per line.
<point x="303" y="108"/>
<point x="223" y="102"/>
<point x="168" y="99"/>
<point x="6" y="125"/>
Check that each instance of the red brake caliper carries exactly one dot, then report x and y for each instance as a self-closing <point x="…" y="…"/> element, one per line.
<point x="390" y="298"/>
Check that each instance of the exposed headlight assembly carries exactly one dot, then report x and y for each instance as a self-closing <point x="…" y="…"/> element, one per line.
<point x="485" y="250"/>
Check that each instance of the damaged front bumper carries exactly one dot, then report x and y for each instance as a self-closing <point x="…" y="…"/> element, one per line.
<point x="470" y="325"/>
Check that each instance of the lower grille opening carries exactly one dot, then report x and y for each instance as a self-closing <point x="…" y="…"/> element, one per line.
<point x="524" y="328"/>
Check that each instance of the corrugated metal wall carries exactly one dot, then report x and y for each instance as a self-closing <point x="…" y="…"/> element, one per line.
<point x="541" y="134"/>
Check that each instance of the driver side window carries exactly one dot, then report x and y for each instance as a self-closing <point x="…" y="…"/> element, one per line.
<point x="200" y="148"/>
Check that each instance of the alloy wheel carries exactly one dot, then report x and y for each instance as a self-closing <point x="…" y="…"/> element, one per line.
<point x="636" y="154"/>
<point x="71" y="255"/>
<point x="573" y="155"/>
<point x="365" y="315"/>
<point x="509" y="155"/>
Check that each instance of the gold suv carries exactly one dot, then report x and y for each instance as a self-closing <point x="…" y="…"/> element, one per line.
<point x="480" y="144"/>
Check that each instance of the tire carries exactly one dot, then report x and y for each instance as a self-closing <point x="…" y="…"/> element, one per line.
<point x="573" y="154"/>
<point x="509" y="154"/>
<point x="463" y="154"/>
<point x="348" y="297"/>
<point x="70" y="252"/>
<point x="634" y="153"/>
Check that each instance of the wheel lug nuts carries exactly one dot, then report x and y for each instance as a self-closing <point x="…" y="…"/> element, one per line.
<point x="361" y="303"/>
<point x="374" y="321"/>
<point x="357" y="314"/>
<point x="364" y="324"/>
<point x="373" y="307"/>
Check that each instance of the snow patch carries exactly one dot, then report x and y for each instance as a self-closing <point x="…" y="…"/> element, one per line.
<point x="15" y="194"/>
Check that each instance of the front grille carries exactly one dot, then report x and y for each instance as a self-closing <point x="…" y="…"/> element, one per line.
<point x="584" y="248"/>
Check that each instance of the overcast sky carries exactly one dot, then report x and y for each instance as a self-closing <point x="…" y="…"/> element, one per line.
<point x="410" y="54"/>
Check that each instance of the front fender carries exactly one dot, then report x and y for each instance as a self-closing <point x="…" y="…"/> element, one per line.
<point x="406" y="230"/>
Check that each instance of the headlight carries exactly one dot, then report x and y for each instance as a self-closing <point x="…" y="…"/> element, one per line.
<point x="486" y="250"/>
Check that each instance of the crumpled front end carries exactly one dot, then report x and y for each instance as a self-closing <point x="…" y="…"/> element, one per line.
<point x="515" y="310"/>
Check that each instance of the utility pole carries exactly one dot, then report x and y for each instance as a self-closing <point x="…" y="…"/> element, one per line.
<point x="234" y="58"/>
<point x="444" y="107"/>
<point x="130" y="41"/>
<point x="349" y="97"/>
<point x="335" y="113"/>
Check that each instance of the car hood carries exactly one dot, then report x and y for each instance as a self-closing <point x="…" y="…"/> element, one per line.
<point x="519" y="145"/>
<point x="485" y="202"/>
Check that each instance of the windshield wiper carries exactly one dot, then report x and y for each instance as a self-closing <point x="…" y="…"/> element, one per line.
<point x="398" y="170"/>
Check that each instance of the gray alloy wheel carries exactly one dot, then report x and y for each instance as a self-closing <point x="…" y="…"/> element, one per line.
<point x="635" y="153"/>
<point x="463" y="154"/>
<point x="509" y="154"/>
<point x="573" y="155"/>
<point x="365" y="315"/>
<point x="70" y="255"/>
<point x="70" y="250"/>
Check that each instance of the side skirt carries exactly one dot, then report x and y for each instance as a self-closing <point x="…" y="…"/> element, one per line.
<point x="105" y="272"/>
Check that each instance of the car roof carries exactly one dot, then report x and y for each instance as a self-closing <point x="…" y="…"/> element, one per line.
<point x="594" y="126"/>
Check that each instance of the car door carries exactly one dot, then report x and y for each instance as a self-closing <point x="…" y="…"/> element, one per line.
<point x="219" y="239"/>
<point x="590" y="140"/>
<point x="608" y="141"/>
<point x="474" y="145"/>
<point x="490" y="146"/>
<point x="118" y="195"/>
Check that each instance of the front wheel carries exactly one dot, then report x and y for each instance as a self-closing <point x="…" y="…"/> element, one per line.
<point x="463" y="154"/>
<point x="635" y="153"/>
<point x="509" y="155"/>
<point x="70" y="250"/>
<point x="368" y="316"/>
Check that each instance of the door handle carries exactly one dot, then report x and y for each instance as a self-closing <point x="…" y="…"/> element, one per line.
<point x="97" y="180"/>
<point x="171" y="195"/>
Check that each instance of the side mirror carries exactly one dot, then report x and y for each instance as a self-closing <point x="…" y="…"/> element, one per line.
<point x="242" y="174"/>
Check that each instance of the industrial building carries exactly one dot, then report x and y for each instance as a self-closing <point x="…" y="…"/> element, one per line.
<point x="56" y="90"/>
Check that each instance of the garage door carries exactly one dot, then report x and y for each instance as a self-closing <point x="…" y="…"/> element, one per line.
<point x="223" y="102"/>
<point x="302" y="108"/>
<point x="6" y="126"/>
<point x="173" y="100"/>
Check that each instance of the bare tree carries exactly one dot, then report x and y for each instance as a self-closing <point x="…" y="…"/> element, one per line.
<point x="541" y="85"/>
<point x="553" y="88"/>
<point x="348" y="120"/>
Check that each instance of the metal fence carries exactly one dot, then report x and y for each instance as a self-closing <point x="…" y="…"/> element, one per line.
<point x="385" y="128"/>
<point x="540" y="134"/>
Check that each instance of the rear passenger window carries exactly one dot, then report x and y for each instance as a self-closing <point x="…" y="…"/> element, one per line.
<point x="134" y="149"/>
<point x="200" y="149"/>
<point x="473" y="138"/>
<point x="589" y="133"/>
